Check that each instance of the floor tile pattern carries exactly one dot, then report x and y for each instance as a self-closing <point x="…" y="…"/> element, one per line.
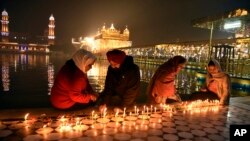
<point x="199" y="124"/>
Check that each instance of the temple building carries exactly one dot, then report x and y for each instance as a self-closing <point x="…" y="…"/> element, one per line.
<point x="24" y="42"/>
<point x="105" y="39"/>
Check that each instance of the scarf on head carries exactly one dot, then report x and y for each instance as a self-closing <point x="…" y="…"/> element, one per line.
<point x="218" y="66"/>
<point x="83" y="58"/>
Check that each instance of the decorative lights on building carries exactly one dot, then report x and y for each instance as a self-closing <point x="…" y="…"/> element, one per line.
<point x="5" y="27"/>
<point x="51" y="34"/>
<point x="105" y="39"/>
<point x="230" y="25"/>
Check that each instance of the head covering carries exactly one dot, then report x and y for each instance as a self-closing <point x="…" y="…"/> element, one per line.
<point x="172" y="64"/>
<point x="177" y="60"/>
<point x="82" y="58"/>
<point x="116" y="56"/>
<point x="217" y="64"/>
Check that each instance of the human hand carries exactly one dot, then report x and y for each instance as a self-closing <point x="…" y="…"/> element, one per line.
<point x="93" y="97"/>
<point x="178" y="98"/>
<point x="158" y="99"/>
<point x="154" y="95"/>
<point x="203" y="89"/>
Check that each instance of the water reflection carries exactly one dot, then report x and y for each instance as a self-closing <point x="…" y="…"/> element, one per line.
<point x="51" y="74"/>
<point x="5" y="77"/>
<point x="26" y="79"/>
<point x="97" y="75"/>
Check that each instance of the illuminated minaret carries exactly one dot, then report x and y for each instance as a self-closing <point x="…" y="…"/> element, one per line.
<point x="51" y="33"/>
<point x="5" y="27"/>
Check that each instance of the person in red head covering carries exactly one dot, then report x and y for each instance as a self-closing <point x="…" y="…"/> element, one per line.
<point x="122" y="84"/>
<point x="71" y="87"/>
<point x="116" y="57"/>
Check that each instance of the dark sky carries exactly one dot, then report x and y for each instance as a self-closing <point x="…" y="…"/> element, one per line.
<point x="149" y="21"/>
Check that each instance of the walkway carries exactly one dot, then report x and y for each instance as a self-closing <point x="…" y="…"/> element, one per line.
<point x="202" y="124"/>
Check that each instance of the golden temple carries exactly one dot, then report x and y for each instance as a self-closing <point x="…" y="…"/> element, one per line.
<point x="105" y="39"/>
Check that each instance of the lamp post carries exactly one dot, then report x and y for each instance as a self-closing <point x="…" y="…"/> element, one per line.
<point x="210" y="41"/>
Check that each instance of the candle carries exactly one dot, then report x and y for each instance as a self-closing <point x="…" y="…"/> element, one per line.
<point x="95" y="117"/>
<point x="116" y="114"/>
<point x="164" y="107"/>
<point x="155" y="109"/>
<point x="151" y="108"/>
<point x="44" y="130"/>
<point x="26" y="116"/>
<point x="25" y="119"/>
<point x="124" y="113"/>
<point x="92" y="115"/>
<point x="80" y="127"/>
<point x="135" y="110"/>
<point x="103" y="120"/>
<point x="64" y="128"/>
<point x="104" y="112"/>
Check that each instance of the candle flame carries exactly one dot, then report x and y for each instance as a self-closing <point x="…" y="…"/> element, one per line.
<point x="116" y="114"/>
<point x="26" y="116"/>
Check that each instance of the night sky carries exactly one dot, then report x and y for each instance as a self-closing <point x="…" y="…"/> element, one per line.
<point x="149" y="21"/>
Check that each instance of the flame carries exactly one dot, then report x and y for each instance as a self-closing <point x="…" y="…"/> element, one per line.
<point x="26" y="116"/>
<point x="116" y="114"/>
<point x="104" y="112"/>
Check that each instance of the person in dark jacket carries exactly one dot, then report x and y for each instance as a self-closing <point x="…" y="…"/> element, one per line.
<point x="71" y="86"/>
<point x="122" y="84"/>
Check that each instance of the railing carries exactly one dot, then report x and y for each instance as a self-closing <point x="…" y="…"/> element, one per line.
<point x="197" y="56"/>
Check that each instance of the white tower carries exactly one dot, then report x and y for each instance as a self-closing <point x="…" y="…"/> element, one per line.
<point x="51" y="33"/>
<point x="5" y="27"/>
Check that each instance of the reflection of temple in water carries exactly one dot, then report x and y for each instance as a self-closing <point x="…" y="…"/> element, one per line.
<point x="5" y="77"/>
<point x="12" y="64"/>
<point x="105" y="39"/>
<point x="51" y="76"/>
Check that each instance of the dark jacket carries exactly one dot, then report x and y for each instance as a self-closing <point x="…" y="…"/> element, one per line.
<point x="71" y="86"/>
<point x="122" y="85"/>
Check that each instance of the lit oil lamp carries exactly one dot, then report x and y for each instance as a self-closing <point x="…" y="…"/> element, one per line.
<point x="130" y="117"/>
<point x="103" y="119"/>
<point x="2" y="126"/>
<point x="45" y="130"/>
<point x="28" y="121"/>
<point x="116" y="118"/>
<point x="80" y="127"/>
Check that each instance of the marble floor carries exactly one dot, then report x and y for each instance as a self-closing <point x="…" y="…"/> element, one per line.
<point x="207" y="123"/>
